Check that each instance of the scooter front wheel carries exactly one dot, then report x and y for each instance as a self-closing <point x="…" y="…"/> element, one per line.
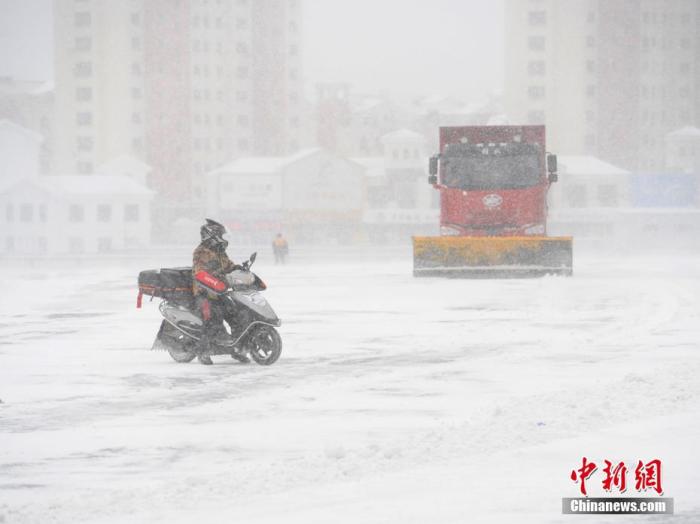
<point x="264" y="345"/>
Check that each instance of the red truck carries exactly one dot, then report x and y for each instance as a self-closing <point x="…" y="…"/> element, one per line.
<point x="493" y="183"/>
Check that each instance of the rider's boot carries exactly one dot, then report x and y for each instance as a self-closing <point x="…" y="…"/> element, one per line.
<point x="203" y="350"/>
<point x="204" y="359"/>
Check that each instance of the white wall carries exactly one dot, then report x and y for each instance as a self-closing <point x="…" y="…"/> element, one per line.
<point x="19" y="151"/>
<point x="53" y="231"/>
<point x="323" y="182"/>
<point x="577" y="191"/>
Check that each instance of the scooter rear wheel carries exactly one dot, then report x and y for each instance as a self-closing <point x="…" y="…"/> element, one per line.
<point x="180" y="354"/>
<point x="175" y="343"/>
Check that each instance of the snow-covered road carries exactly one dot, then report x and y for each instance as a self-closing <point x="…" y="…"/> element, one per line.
<point x="395" y="399"/>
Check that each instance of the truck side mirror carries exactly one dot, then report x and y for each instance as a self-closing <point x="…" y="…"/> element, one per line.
<point x="551" y="163"/>
<point x="433" y="165"/>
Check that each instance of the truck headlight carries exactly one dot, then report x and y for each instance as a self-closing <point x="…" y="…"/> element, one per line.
<point x="534" y="230"/>
<point x="449" y="231"/>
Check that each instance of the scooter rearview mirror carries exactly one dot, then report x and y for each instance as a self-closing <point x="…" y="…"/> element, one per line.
<point x="253" y="256"/>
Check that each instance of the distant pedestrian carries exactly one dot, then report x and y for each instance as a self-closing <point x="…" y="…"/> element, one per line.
<point x="280" y="248"/>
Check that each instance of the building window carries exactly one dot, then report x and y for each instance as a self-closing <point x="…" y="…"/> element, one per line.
<point x="607" y="195"/>
<point x="535" y="92"/>
<point x="576" y="195"/>
<point x="84" y="43"/>
<point x="9" y="213"/>
<point x="83" y="19"/>
<point x="590" y="141"/>
<point x="590" y="66"/>
<point x="241" y="48"/>
<point x="104" y="245"/>
<point x="104" y="213"/>
<point x="42" y="213"/>
<point x="42" y="245"/>
<point x="26" y="213"/>
<point x="136" y="69"/>
<point x="83" y="94"/>
<point x="537" y="17"/>
<point x="136" y="92"/>
<point x="242" y="72"/>
<point x="135" y="19"/>
<point x="590" y="41"/>
<point x="136" y="43"/>
<point x="83" y="119"/>
<point x="590" y="91"/>
<point x="243" y="144"/>
<point x="131" y="213"/>
<point x="76" y="213"/>
<point x="83" y="69"/>
<point x="242" y="96"/>
<point x="10" y="244"/>
<point x="76" y="245"/>
<point x="536" y="68"/>
<point x="242" y="120"/>
<point x="85" y="143"/>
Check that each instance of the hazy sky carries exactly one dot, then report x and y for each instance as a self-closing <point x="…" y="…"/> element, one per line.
<point x="26" y="32"/>
<point x="405" y="47"/>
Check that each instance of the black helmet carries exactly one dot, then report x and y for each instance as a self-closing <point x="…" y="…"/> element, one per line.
<point x="213" y="233"/>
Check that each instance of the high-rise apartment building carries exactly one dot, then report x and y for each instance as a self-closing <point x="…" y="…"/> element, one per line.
<point x="184" y="85"/>
<point x="609" y="77"/>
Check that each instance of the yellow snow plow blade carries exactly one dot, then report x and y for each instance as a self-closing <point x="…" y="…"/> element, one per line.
<point x="491" y="257"/>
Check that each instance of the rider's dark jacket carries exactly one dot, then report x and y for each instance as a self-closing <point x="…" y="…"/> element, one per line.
<point x="214" y="261"/>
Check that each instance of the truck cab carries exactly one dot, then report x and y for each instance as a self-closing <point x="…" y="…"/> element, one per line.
<point x="493" y="183"/>
<point x="493" y="180"/>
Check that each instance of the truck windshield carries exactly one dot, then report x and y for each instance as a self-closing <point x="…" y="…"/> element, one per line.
<point x="479" y="171"/>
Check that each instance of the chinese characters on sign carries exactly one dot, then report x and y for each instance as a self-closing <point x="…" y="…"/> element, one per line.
<point x="646" y="476"/>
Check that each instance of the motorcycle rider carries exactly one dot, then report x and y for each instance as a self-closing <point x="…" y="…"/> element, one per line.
<point x="210" y="257"/>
